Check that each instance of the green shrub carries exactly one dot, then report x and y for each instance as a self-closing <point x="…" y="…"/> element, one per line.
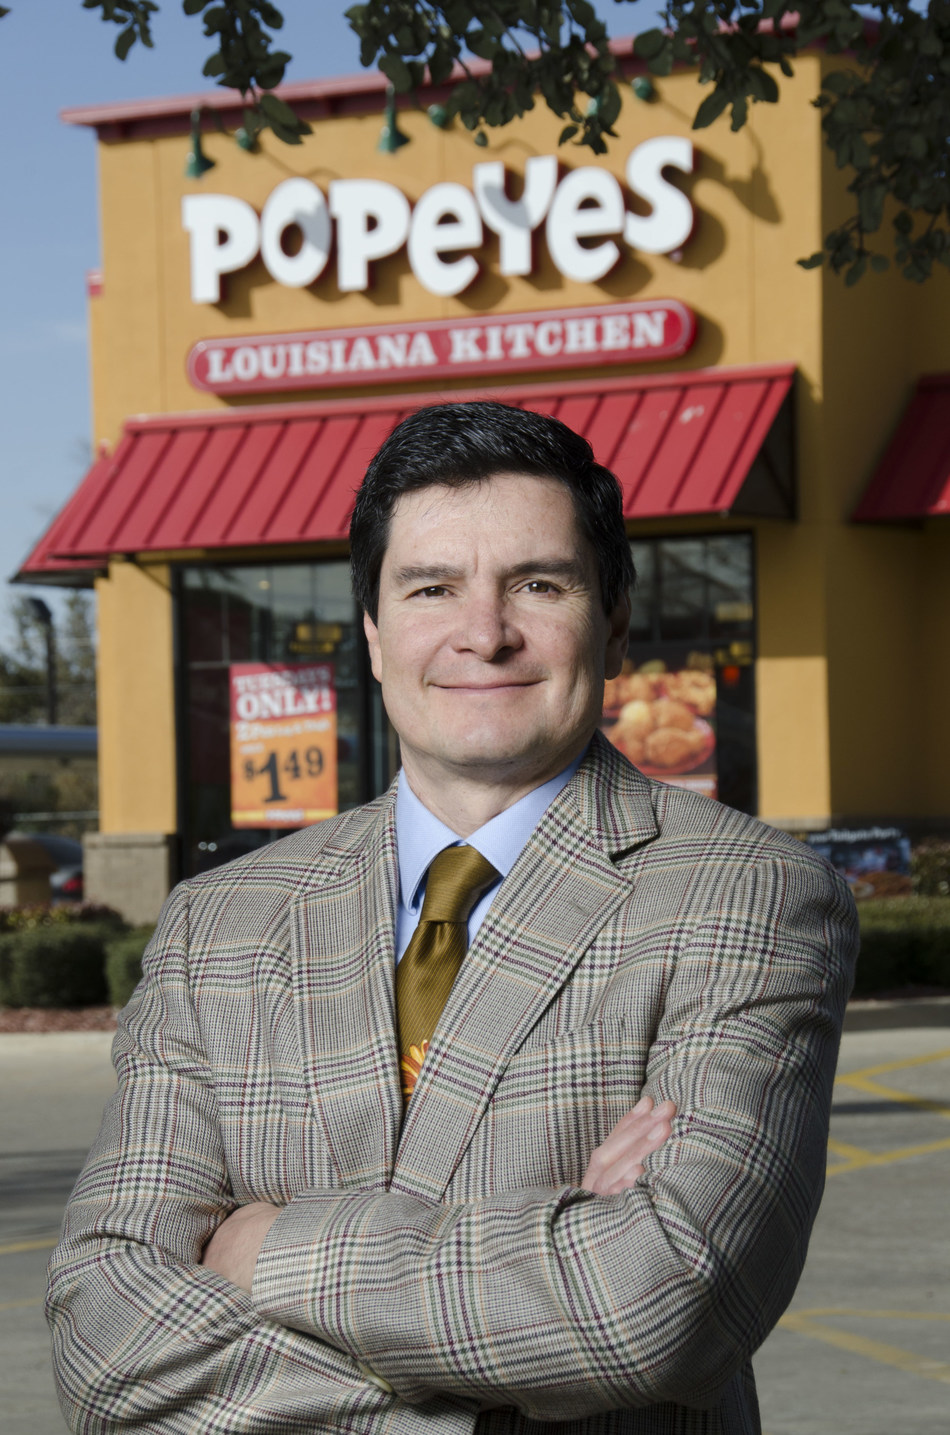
<point x="53" y="966"/>
<point x="930" y="868"/>
<point x="904" y="940"/>
<point x="14" y="919"/>
<point x="124" y="963"/>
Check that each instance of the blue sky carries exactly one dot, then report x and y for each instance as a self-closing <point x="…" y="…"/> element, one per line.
<point x="56" y="55"/>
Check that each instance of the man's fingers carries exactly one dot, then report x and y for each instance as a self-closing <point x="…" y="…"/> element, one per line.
<point x="642" y="1130"/>
<point x="618" y="1162"/>
<point x="622" y="1180"/>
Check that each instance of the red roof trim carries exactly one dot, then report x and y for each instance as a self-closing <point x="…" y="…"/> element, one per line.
<point x="912" y="480"/>
<point x="319" y="408"/>
<point x="286" y="474"/>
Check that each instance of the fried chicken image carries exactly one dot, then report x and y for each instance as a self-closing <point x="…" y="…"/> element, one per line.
<point x="671" y="747"/>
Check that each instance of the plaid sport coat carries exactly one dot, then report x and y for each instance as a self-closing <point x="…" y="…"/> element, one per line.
<point x="448" y="1274"/>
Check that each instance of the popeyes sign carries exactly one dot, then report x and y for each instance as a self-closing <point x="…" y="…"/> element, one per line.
<point x="582" y="213"/>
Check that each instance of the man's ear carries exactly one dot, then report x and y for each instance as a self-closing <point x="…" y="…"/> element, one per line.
<point x="375" y="652"/>
<point x="618" y="636"/>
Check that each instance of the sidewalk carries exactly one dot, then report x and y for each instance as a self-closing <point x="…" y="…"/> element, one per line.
<point x="863" y="1350"/>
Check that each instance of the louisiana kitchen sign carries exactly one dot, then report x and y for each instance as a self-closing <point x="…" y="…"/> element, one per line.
<point x="614" y="333"/>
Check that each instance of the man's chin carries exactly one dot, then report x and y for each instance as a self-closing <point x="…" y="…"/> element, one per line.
<point x="487" y="760"/>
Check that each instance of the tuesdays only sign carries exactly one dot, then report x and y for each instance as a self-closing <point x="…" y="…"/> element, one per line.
<point x="283" y="744"/>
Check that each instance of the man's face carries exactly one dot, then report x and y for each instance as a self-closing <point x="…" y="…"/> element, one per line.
<point x="491" y="642"/>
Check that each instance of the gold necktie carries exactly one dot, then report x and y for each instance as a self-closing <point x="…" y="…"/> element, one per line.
<point x="430" y="963"/>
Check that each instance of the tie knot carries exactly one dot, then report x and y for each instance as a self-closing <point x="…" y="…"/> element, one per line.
<point x="456" y="880"/>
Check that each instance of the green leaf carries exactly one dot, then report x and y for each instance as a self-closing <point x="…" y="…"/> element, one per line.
<point x="838" y="82"/>
<point x="279" y="111"/>
<point x="567" y="133"/>
<point x="125" y="42"/>
<point x="813" y="260"/>
<point x="648" y="45"/>
<point x="395" y="69"/>
<point x="857" y="271"/>
<point x="768" y="89"/>
<point x="193" y="7"/>
<point x="871" y="207"/>
<point x="285" y="133"/>
<point x="440" y="64"/>
<point x="710" y="109"/>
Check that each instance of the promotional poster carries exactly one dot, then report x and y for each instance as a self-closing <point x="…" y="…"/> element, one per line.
<point x="663" y="718"/>
<point x="283" y="744"/>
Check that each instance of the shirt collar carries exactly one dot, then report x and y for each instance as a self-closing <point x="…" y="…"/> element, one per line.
<point x="420" y="836"/>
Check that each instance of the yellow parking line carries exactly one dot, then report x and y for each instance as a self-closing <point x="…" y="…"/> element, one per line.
<point x="851" y="1153"/>
<point x="17" y="1304"/>
<point x="46" y="1244"/>
<point x="891" y="1093"/>
<point x="873" y="1314"/>
<point x="886" y="1158"/>
<point x="886" y="1066"/>
<point x="874" y="1350"/>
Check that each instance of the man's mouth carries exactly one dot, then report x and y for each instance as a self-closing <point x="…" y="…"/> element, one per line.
<point x="492" y="687"/>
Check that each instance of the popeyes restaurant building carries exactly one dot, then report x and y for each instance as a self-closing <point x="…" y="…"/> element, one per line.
<point x="783" y="443"/>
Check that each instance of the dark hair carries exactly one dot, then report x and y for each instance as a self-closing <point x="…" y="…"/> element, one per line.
<point x="456" y="444"/>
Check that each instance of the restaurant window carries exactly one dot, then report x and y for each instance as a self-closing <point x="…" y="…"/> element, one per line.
<point x="274" y="655"/>
<point x="683" y="710"/>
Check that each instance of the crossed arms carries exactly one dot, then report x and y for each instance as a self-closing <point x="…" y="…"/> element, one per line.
<point x="557" y="1301"/>
<point x="615" y="1165"/>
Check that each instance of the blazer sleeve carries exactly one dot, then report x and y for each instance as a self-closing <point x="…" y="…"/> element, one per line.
<point x="563" y="1303"/>
<point x="144" y="1338"/>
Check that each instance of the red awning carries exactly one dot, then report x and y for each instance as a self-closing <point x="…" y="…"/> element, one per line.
<point x="243" y="477"/>
<point x="913" y="478"/>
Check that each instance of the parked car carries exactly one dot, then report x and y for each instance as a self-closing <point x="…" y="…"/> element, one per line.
<point x="66" y="880"/>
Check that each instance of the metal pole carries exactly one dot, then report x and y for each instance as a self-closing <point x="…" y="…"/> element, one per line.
<point x="44" y="617"/>
<point x="52" y="696"/>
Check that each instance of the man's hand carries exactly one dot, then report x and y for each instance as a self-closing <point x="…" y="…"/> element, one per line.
<point x="618" y="1162"/>
<point x="235" y="1245"/>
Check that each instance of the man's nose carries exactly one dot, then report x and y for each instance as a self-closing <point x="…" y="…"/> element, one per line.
<point x="486" y="627"/>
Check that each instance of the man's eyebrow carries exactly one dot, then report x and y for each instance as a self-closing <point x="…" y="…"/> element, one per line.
<point x="569" y="569"/>
<point x="424" y="573"/>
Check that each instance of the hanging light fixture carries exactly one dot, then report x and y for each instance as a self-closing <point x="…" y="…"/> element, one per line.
<point x="197" y="162"/>
<point x="391" y="136"/>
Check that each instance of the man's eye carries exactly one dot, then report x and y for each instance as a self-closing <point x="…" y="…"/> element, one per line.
<point x="434" y="590"/>
<point x="541" y="585"/>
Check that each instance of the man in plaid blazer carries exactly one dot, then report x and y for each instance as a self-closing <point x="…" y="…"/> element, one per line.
<point x="263" y="1241"/>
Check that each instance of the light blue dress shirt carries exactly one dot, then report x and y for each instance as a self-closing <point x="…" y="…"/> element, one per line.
<point x="420" y="837"/>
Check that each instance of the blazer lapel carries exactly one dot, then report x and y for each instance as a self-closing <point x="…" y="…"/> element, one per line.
<point x="342" y="954"/>
<point x="560" y="893"/>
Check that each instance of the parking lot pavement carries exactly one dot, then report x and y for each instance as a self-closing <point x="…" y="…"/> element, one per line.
<point x="863" y="1350"/>
<point x="54" y="1089"/>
